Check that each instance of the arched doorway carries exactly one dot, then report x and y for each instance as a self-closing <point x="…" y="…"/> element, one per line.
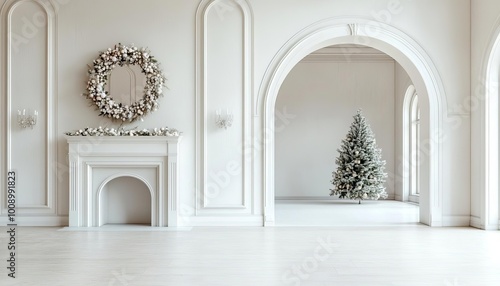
<point x="388" y="40"/>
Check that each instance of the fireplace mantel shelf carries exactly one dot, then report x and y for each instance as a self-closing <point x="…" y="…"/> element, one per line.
<point x="96" y="160"/>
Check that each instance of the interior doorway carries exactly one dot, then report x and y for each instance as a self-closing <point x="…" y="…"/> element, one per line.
<point x="313" y="112"/>
<point x="390" y="41"/>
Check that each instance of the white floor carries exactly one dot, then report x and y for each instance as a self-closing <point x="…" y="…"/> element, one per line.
<point x="345" y="213"/>
<point x="401" y="252"/>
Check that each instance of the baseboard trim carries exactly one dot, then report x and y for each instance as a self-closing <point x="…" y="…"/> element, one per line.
<point x="450" y="221"/>
<point x="475" y="222"/>
<point x="311" y="198"/>
<point x="222" y="221"/>
<point x="456" y="221"/>
<point x="306" y="198"/>
<point x="39" y="221"/>
<point x="183" y="221"/>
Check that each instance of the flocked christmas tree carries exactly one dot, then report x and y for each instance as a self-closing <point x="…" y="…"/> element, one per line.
<point x="360" y="168"/>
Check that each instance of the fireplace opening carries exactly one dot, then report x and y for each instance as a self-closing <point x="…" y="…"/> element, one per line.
<point x="125" y="200"/>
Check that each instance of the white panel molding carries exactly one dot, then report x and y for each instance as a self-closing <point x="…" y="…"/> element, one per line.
<point x="50" y="113"/>
<point x="395" y="43"/>
<point x="203" y="118"/>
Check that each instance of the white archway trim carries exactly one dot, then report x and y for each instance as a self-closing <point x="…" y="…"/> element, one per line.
<point x="382" y="37"/>
<point x="100" y="191"/>
<point x="489" y="114"/>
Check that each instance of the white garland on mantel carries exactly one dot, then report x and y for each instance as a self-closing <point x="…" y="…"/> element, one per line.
<point x="105" y="131"/>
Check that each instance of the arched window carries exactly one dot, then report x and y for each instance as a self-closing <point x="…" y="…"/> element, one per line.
<point x="414" y="141"/>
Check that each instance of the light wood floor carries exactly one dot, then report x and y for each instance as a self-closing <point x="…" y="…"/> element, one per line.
<point x="369" y="255"/>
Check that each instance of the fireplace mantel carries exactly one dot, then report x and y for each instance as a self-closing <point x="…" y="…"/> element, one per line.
<point x="96" y="160"/>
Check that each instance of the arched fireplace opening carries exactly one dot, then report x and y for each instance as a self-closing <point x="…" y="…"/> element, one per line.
<point x="125" y="200"/>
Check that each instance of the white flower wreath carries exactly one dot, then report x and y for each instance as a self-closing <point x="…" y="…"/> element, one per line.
<point x="100" y="72"/>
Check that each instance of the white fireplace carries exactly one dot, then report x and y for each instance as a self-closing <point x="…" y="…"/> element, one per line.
<point x="94" y="161"/>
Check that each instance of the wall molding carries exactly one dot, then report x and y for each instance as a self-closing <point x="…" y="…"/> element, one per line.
<point x="203" y="118"/>
<point x="50" y="112"/>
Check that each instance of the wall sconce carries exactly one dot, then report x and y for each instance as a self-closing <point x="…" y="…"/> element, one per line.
<point x="27" y="120"/>
<point x="223" y="119"/>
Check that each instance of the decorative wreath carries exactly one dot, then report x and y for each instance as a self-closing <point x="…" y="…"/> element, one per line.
<point x="100" y="72"/>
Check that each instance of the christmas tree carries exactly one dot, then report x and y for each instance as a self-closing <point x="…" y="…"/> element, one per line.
<point x="360" y="168"/>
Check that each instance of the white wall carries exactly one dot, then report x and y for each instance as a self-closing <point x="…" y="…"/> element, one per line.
<point x="323" y="98"/>
<point x="82" y="28"/>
